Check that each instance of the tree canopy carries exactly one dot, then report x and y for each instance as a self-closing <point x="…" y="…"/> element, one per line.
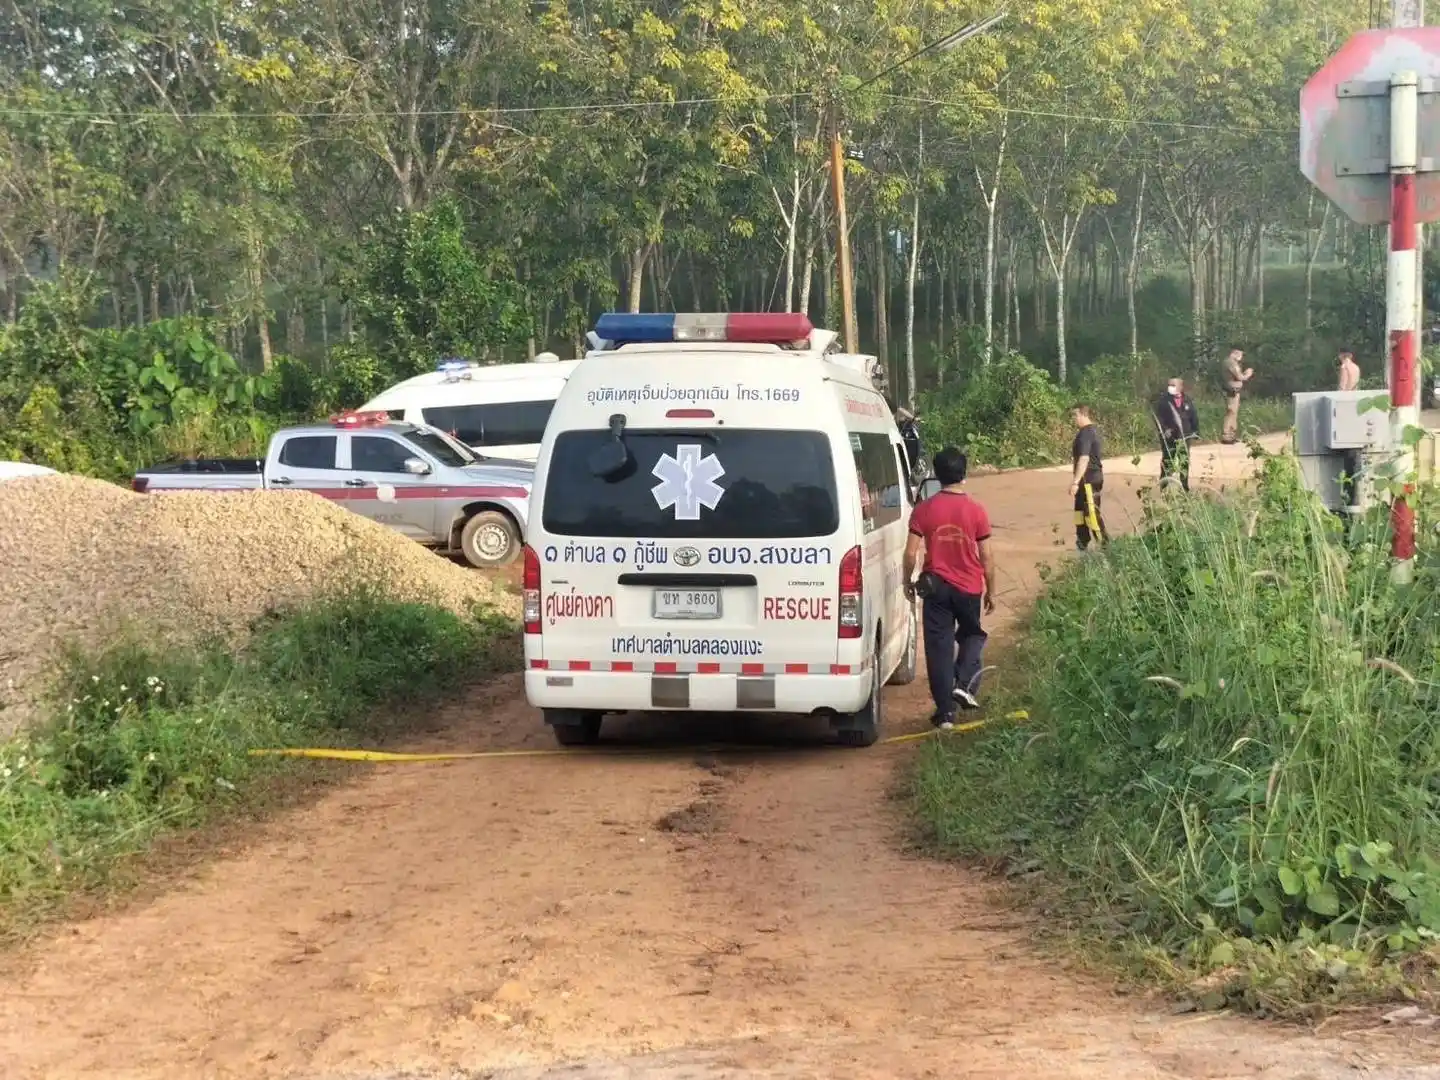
<point x="537" y="162"/>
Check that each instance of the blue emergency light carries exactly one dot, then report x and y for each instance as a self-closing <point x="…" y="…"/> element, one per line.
<point x="753" y="328"/>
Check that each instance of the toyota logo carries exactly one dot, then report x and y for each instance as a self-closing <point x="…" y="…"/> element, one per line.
<point x="686" y="556"/>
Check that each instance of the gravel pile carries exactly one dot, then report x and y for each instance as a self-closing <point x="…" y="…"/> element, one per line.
<point x="81" y="560"/>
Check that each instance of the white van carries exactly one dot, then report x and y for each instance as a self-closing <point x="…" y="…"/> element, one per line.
<point x="498" y="411"/>
<point x="718" y="524"/>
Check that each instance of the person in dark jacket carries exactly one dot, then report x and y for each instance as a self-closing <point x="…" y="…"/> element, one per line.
<point x="1179" y="426"/>
<point x="909" y="427"/>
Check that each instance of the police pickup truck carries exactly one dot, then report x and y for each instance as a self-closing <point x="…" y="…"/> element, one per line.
<point x="415" y="479"/>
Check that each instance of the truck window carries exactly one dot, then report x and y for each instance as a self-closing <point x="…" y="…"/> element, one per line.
<point x="375" y="453"/>
<point x="877" y="466"/>
<point x="774" y="485"/>
<point x="511" y="423"/>
<point x="439" y="447"/>
<point x="309" y="452"/>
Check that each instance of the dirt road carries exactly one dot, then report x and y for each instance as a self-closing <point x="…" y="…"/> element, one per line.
<point x="665" y="914"/>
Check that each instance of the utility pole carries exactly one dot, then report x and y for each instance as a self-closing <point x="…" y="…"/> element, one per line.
<point x="842" y="226"/>
<point x="837" y="172"/>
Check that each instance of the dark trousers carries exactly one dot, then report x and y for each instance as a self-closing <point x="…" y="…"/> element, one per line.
<point x="1175" y="460"/>
<point x="954" y="644"/>
<point x="1089" y="525"/>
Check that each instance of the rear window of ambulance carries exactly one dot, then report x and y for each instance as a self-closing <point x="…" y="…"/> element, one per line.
<point x="723" y="484"/>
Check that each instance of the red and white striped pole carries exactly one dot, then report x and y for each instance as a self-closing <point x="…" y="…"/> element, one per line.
<point x="1402" y="288"/>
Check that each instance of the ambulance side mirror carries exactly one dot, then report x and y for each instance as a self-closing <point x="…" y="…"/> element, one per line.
<point x="928" y="489"/>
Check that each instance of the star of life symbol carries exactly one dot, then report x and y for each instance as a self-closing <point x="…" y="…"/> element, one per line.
<point x="687" y="482"/>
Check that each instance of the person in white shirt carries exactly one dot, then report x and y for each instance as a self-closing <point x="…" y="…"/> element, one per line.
<point x="1349" y="371"/>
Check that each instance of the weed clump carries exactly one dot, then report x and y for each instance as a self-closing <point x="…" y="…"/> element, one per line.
<point x="1233" y="751"/>
<point x="142" y="738"/>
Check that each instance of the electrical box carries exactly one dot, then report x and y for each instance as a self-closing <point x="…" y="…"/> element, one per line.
<point x="1348" y="426"/>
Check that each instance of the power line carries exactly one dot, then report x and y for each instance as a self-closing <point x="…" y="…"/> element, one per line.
<point x="986" y="106"/>
<point x="398" y="114"/>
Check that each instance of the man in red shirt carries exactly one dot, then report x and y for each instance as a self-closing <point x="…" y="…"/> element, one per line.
<point x="957" y="581"/>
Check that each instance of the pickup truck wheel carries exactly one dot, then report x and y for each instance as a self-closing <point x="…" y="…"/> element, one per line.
<point x="490" y="539"/>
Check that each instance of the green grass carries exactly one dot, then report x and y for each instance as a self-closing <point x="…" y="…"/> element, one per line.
<point x="146" y="741"/>
<point x="1229" y="766"/>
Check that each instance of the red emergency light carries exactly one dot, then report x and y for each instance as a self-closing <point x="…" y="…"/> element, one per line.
<point x="352" y="418"/>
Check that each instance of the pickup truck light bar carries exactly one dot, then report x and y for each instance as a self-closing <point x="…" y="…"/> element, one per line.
<point x="750" y="328"/>
<point x="352" y="418"/>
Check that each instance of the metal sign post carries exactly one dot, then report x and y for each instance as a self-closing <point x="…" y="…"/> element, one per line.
<point x="1370" y="140"/>
<point x="1401" y="286"/>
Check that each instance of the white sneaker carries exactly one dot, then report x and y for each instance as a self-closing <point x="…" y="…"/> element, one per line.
<point x="966" y="699"/>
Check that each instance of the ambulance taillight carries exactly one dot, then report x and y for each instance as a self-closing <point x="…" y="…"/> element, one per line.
<point x="531" y="591"/>
<point x="852" y="594"/>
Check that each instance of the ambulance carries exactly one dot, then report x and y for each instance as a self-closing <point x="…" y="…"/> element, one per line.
<point x="718" y="524"/>
<point x="499" y="410"/>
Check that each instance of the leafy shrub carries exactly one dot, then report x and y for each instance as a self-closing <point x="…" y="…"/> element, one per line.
<point x="1234" y="735"/>
<point x="1008" y="413"/>
<point x="170" y="371"/>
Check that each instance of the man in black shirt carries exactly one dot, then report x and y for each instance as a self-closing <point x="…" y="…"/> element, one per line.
<point x="1087" y="479"/>
<point x="1179" y="426"/>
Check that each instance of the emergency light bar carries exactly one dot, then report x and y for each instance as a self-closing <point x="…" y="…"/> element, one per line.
<point x="351" y="418"/>
<point x="453" y="368"/>
<point x="751" y="328"/>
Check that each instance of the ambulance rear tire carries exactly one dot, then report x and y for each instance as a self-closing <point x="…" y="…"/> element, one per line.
<point x="909" y="667"/>
<point x="863" y="728"/>
<point x="490" y="539"/>
<point x="574" y="728"/>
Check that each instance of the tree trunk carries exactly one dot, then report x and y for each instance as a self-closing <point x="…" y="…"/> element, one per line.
<point x="942" y="327"/>
<point x="1015" y="297"/>
<point x="1132" y="271"/>
<point x="1260" y="267"/>
<point x="990" y="196"/>
<point x="638" y="260"/>
<point x="882" y="299"/>
<point x="1195" y="263"/>
<point x="791" y="239"/>
<point x="1312" y="253"/>
<point x="807" y="268"/>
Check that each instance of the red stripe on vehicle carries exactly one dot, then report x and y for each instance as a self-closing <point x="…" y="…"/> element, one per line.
<point x="839" y="669"/>
<point x="666" y="667"/>
<point x="752" y="669"/>
<point x="709" y="669"/>
<point x="797" y="669"/>
<point x="622" y="665"/>
<point x="481" y="492"/>
<point x="579" y="665"/>
<point x="539" y="665"/>
<point x="372" y="494"/>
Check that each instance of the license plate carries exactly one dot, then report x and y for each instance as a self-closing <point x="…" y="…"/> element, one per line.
<point x="687" y="603"/>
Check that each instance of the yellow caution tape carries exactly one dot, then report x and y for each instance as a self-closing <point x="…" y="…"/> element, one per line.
<point x="384" y="757"/>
